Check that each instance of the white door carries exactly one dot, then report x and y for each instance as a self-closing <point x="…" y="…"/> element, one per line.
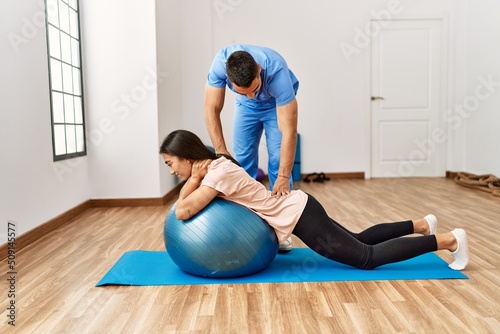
<point x="407" y="104"/>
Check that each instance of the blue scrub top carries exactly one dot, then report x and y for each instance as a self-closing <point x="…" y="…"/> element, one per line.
<point x="279" y="84"/>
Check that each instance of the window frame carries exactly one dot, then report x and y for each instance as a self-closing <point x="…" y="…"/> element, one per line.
<point x="70" y="127"/>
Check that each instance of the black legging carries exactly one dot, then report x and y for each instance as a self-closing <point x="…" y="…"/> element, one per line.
<point x="375" y="246"/>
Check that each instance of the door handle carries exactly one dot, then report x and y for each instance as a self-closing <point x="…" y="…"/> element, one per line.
<point x="377" y="98"/>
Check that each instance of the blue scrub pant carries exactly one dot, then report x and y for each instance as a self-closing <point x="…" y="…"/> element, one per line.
<point x="248" y="125"/>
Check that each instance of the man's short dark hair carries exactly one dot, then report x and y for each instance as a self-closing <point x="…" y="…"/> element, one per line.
<point x="241" y="69"/>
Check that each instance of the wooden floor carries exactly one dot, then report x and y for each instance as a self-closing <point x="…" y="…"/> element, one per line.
<point x="56" y="290"/>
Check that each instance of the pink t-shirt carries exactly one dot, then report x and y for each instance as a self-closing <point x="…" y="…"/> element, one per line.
<point x="237" y="186"/>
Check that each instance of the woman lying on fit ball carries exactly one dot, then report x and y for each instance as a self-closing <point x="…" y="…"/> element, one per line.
<point x="299" y="213"/>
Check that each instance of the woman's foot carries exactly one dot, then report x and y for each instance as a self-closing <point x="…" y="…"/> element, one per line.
<point x="426" y="225"/>
<point x="461" y="253"/>
<point x="432" y="223"/>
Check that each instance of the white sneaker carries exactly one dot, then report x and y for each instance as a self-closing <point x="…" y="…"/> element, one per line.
<point x="461" y="254"/>
<point x="286" y="246"/>
<point x="432" y="222"/>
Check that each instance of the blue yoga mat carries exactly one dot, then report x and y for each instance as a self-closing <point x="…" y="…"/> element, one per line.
<point x="141" y="267"/>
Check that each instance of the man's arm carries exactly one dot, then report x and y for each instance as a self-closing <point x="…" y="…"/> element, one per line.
<point x="287" y="123"/>
<point x="214" y="101"/>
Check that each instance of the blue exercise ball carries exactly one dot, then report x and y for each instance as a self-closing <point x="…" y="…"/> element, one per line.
<point x="223" y="240"/>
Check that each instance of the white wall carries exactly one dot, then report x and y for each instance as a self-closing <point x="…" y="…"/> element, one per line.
<point x="33" y="188"/>
<point x="169" y="59"/>
<point x="457" y="87"/>
<point x="196" y="54"/>
<point x="120" y="80"/>
<point x="482" y="102"/>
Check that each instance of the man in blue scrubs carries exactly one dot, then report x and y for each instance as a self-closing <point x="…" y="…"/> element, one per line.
<point x="265" y="101"/>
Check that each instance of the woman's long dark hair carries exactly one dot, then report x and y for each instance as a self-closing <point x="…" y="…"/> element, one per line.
<point x="187" y="145"/>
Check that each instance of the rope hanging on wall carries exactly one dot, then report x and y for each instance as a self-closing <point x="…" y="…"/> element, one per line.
<point x="485" y="182"/>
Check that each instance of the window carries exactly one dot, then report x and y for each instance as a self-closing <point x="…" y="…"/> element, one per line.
<point x="65" y="76"/>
